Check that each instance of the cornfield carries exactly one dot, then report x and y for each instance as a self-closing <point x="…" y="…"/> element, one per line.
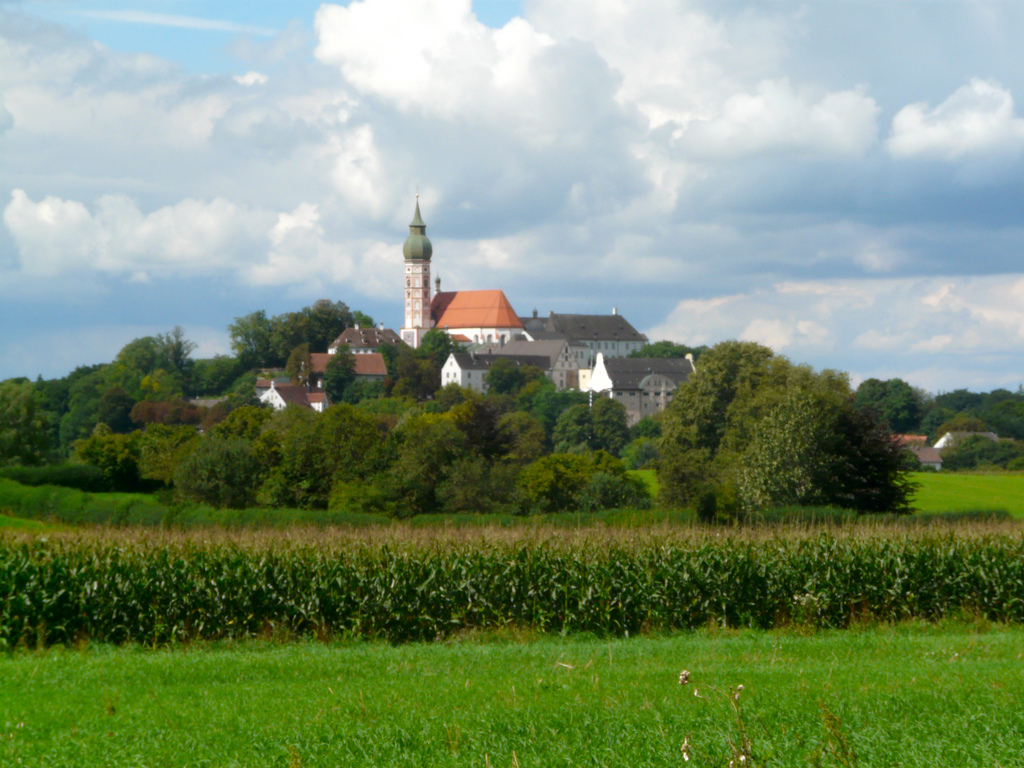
<point x="163" y="588"/>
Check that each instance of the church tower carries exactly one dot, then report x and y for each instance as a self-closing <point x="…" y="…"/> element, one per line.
<point x="417" y="250"/>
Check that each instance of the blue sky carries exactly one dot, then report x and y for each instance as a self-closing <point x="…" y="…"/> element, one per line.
<point x="839" y="180"/>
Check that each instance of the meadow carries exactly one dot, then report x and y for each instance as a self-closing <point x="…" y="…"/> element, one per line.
<point x="970" y="491"/>
<point x="436" y="643"/>
<point x="906" y="694"/>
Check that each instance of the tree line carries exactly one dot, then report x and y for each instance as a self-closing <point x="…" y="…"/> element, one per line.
<point x="751" y="429"/>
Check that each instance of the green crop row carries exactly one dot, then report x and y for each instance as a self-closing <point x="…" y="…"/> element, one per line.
<point x="63" y="590"/>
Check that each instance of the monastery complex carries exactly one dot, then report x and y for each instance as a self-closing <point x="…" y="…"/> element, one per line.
<point x="586" y="352"/>
<point x="575" y="351"/>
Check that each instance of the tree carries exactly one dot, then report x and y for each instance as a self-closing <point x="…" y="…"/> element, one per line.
<point x="299" y="365"/>
<point x="175" y="355"/>
<point x="581" y="481"/>
<point x="339" y="374"/>
<point x="317" y="326"/>
<point x="960" y="401"/>
<point x="962" y="423"/>
<point x="246" y="421"/>
<point x="609" y="426"/>
<point x="24" y="427"/>
<point x="753" y="426"/>
<point x="523" y="434"/>
<point x="668" y="349"/>
<point x="84" y="397"/>
<point x="430" y="449"/>
<point x="977" y="451"/>
<point x="600" y="427"/>
<point x="117" y="456"/>
<point x="436" y="345"/>
<point x="215" y="375"/>
<point x="545" y="401"/>
<point x="1006" y="418"/>
<point x="362" y="319"/>
<point x="641" y="453"/>
<point x="646" y="427"/>
<point x="415" y="377"/>
<point x="222" y="471"/>
<point x="506" y="377"/>
<point x="115" y="410"/>
<point x="897" y="402"/>
<point x="312" y="452"/>
<point x="251" y="337"/>
<point x="162" y="448"/>
<point x="573" y="430"/>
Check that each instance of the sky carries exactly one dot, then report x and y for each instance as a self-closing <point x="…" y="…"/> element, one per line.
<point x="842" y="180"/>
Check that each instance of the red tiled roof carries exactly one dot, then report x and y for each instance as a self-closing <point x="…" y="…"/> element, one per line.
<point x="473" y="309"/>
<point x="371" y="364"/>
<point x="318" y="361"/>
<point x="316" y="397"/>
<point x="911" y="439"/>
<point x="294" y="393"/>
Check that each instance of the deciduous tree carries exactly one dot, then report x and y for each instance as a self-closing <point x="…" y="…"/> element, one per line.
<point x="24" y="427"/>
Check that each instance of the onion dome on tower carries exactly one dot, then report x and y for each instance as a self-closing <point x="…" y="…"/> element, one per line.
<point x="417" y="244"/>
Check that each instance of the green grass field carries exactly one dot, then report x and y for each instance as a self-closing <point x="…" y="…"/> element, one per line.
<point x="10" y="523"/>
<point x="948" y="492"/>
<point x="904" y="695"/>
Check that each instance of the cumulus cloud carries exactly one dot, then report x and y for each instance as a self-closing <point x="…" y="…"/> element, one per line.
<point x="6" y="120"/>
<point x="251" y="78"/>
<point x="885" y="328"/>
<point x="432" y="55"/>
<point x="56" y="236"/>
<point x="580" y="157"/>
<point x="775" y="118"/>
<point x="978" y="120"/>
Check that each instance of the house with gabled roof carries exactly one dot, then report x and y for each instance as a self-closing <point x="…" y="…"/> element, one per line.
<point x="469" y="369"/>
<point x="644" y="385"/>
<point x="362" y="341"/>
<point x="561" y="365"/>
<point x="280" y="396"/>
<point x="611" y="335"/>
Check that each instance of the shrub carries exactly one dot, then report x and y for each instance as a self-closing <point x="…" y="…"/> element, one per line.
<point x="84" y="477"/>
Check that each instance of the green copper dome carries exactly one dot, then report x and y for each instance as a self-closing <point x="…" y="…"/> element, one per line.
<point x="417" y="244"/>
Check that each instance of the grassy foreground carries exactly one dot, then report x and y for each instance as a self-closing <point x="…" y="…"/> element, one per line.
<point x="904" y="695"/>
<point x="948" y="492"/>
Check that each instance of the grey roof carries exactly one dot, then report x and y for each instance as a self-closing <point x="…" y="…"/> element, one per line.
<point x="926" y="454"/>
<point x="367" y="338"/>
<point x="542" y="335"/>
<point x="469" y="361"/>
<point x="549" y="349"/>
<point x="594" y="327"/>
<point x="628" y="372"/>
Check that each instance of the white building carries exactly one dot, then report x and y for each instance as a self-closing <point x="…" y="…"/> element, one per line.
<point x="644" y="385"/>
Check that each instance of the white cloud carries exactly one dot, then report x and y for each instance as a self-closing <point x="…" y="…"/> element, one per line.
<point x="977" y="120"/>
<point x="432" y="55"/>
<point x="775" y="118"/>
<point x="175" y="20"/>
<point x="251" y="78"/>
<point x="6" y="120"/>
<point x="55" y="236"/>
<point x="871" y="326"/>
